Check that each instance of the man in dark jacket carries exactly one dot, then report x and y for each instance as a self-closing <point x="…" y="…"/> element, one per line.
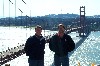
<point x="34" y="48"/>
<point x="61" y="44"/>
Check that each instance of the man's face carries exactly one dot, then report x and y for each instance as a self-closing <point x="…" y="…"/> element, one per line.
<point x="61" y="29"/>
<point x="38" y="31"/>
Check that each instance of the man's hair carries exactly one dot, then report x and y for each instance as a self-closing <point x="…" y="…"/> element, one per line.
<point x="38" y="26"/>
<point x="61" y="25"/>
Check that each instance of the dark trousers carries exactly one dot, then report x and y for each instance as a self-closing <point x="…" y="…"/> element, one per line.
<point x="36" y="62"/>
<point x="61" y="60"/>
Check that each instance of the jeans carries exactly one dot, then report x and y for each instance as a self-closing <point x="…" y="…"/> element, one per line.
<point x="36" y="62"/>
<point x="61" y="60"/>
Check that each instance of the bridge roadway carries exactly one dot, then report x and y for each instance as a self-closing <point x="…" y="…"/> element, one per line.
<point x="15" y="52"/>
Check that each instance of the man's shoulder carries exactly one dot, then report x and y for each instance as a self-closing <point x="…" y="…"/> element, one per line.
<point x="54" y="35"/>
<point x="31" y="37"/>
<point x="66" y="35"/>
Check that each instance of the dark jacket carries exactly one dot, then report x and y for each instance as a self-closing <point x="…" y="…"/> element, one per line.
<point x="34" y="47"/>
<point x="66" y="41"/>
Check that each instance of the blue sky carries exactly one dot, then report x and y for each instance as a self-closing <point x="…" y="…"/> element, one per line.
<point x="45" y="7"/>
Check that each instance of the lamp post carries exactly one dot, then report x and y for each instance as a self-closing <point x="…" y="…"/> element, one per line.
<point x="15" y="11"/>
<point x="3" y="8"/>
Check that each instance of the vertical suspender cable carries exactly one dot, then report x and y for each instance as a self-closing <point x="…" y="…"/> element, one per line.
<point x="30" y="18"/>
<point x="3" y="13"/>
<point x="9" y="12"/>
<point x="15" y="12"/>
<point x="9" y="15"/>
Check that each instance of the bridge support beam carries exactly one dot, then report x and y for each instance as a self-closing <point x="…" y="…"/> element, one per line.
<point x="82" y="21"/>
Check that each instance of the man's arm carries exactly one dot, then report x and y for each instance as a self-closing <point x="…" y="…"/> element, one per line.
<point x="71" y="44"/>
<point x="27" y="47"/>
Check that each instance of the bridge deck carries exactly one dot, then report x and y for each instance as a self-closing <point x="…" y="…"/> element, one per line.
<point x="15" y="52"/>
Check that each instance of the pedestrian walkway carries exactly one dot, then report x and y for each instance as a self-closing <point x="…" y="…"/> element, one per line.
<point x="48" y="59"/>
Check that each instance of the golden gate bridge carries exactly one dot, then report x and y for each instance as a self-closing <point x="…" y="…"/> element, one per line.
<point x="12" y="53"/>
